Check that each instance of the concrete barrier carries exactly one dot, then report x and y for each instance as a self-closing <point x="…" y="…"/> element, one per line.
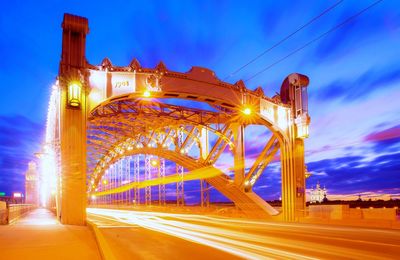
<point x="343" y="215"/>
<point x="3" y="213"/>
<point x="328" y="211"/>
<point x="15" y="211"/>
<point x="380" y="213"/>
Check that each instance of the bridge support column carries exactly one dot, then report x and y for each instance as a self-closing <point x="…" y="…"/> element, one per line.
<point x="239" y="156"/>
<point x="205" y="193"/>
<point x="73" y="108"/>
<point x="180" y="194"/>
<point x="136" y="172"/>
<point x="147" y="176"/>
<point x="293" y="179"/>
<point x="294" y="93"/>
<point x="161" y="187"/>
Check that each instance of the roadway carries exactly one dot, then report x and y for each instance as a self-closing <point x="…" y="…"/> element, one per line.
<point x="155" y="235"/>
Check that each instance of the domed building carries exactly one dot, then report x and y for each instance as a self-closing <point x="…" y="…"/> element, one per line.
<point x="318" y="194"/>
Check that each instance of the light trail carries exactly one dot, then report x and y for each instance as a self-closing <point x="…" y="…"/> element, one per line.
<point x="197" y="235"/>
<point x="203" y="173"/>
<point x="253" y="239"/>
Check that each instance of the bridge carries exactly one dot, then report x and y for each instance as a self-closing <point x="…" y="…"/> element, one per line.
<point x="126" y="144"/>
<point x="120" y="134"/>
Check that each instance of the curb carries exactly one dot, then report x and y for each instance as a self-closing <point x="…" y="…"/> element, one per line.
<point x="105" y="250"/>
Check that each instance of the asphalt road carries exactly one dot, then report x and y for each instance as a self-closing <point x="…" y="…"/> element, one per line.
<point x="154" y="235"/>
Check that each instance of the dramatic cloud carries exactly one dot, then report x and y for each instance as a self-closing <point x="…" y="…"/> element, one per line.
<point x="353" y="174"/>
<point x="361" y="86"/>
<point x="386" y="134"/>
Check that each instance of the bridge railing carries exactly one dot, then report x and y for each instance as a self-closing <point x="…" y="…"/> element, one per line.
<point x="12" y="212"/>
<point x="3" y="213"/>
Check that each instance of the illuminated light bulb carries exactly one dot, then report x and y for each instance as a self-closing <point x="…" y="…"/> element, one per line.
<point x="247" y="111"/>
<point x="93" y="197"/>
<point x="154" y="162"/>
<point x="104" y="182"/>
<point x="146" y="93"/>
<point x="74" y="94"/>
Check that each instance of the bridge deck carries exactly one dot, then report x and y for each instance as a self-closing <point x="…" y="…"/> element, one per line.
<point x="155" y="235"/>
<point x="40" y="236"/>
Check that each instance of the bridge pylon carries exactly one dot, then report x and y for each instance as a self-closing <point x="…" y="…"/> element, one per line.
<point x="73" y="109"/>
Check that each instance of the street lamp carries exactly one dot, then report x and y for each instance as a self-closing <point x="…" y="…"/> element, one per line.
<point x="74" y="94"/>
<point x="302" y="122"/>
<point x="146" y="93"/>
<point x="154" y="162"/>
<point x="302" y="131"/>
<point x="247" y="111"/>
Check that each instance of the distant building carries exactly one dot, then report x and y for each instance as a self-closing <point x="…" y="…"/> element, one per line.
<point x="318" y="195"/>
<point x="31" y="185"/>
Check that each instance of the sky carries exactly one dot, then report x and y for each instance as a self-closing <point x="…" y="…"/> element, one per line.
<point x="354" y="71"/>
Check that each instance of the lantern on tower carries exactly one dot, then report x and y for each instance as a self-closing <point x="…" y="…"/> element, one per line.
<point x="74" y="93"/>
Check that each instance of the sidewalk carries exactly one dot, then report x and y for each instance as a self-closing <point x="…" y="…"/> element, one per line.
<point x="40" y="236"/>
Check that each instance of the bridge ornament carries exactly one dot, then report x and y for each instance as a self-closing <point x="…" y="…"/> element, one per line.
<point x="132" y="110"/>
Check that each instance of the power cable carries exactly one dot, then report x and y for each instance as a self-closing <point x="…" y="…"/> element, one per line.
<point x="315" y="39"/>
<point x="284" y="39"/>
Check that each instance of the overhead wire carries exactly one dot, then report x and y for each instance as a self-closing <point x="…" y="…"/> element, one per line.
<point x="314" y="40"/>
<point x="285" y="38"/>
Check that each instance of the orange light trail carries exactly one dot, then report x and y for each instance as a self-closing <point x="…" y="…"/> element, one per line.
<point x="203" y="173"/>
<point x="252" y="239"/>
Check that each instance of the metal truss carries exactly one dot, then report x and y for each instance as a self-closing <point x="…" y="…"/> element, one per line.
<point x="161" y="187"/>
<point x="180" y="194"/>
<point x="116" y="132"/>
<point x="166" y="138"/>
<point x="147" y="176"/>
<point x="116" y="121"/>
<point x="205" y="193"/>
<point x="127" y="178"/>
<point x="220" y="145"/>
<point x="136" y="175"/>
<point x="262" y="161"/>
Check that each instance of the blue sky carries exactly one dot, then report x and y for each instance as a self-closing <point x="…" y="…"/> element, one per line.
<point x="354" y="91"/>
